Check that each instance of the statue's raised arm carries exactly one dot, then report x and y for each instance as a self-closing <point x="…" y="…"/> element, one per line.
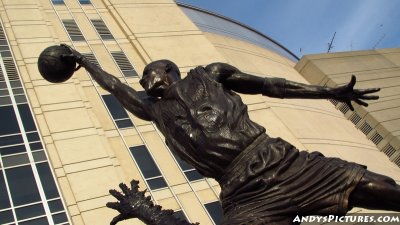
<point x="241" y="82"/>
<point x="127" y="96"/>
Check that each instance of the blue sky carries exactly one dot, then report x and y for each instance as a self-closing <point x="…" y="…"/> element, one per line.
<point x="309" y="25"/>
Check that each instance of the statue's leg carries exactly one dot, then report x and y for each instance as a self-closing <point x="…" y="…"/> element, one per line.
<point x="376" y="191"/>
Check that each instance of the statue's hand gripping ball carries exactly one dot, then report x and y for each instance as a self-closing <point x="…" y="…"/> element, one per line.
<point x="53" y="67"/>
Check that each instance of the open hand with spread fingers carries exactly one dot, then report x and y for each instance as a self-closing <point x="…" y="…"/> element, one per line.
<point x="132" y="203"/>
<point x="347" y="93"/>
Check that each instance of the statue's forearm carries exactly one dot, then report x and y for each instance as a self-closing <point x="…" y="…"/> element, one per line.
<point x="104" y="79"/>
<point x="299" y="90"/>
<point x="282" y="88"/>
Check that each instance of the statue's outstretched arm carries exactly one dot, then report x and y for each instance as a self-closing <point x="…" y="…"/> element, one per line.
<point x="241" y="82"/>
<point x="132" y="203"/>
<point x="127" y="96"/>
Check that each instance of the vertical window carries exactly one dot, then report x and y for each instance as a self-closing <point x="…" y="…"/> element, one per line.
<point x="102" y="29"/>
<point x="124" y="64"/>
<point x="22" y="185"/>
<point x="85" y="2"/>
<point x="58" y="2"/>
<point x="148" y="167"/>
<point x="191" y="173"/>
<point x="215" y="211"/>
<point x="91" y="58"/>
<point x="118" y="112"/>
<point x="4" y="201"/>
<point x="180" y="215"/>
<point x="9" y="121"/>
<point x="73" y="30"/>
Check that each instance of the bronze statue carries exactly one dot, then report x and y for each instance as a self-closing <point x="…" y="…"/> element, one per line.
<point x="263" y="180"/>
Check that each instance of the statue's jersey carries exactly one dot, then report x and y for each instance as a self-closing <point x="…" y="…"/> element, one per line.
<point x="206" y="124"/>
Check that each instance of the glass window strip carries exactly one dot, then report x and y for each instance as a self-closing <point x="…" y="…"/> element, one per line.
<point x="102" y="29"/>
<point x="214" y="209"/>
<point x="73" y="30"/>
<point x="96" y="87"/>
<point x="85" y="2"/>
<point x="12" y="83"/>
<point x="148" y="167"/>
<point x="92" y="58"/>
<point x="58" y="2"/>
<point x="123" y="63"/>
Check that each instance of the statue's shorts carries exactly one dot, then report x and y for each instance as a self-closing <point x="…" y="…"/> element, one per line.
<point x="271" y="182"/>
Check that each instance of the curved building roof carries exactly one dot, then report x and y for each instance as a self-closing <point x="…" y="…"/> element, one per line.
<point x="214" y="23"/>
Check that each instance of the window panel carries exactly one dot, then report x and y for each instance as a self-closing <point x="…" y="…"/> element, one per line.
<point x="15" y="83"/>
<point x="184" y="166"/>
<point x="145" y="161"/>
<point x="12" y="150"/>
<point x="36" y="146"/>
<point x="40" y="221"/>
<point x="29" y="211"/>
<point x="15" y="160"/>
<point x="26" y="116"/>
<point x="39" y="156"/>
<point x="215" y="211"/>
<point x="60" y="218"/>
<point x="3" y="92"/>
<point x="57" y="2"/>
<point x="5" y="54"/>
<point x="91" y="58"/>
<point x="22" y="185"/>
<point x="156" y="183"/>
<point x="11" y="70"/>
<point x="124" y="64"/>
<point x="4" y="201"/>
<point x="46" y="177"/>
<point x="11" y="140"/>
<point x="180" y="215"/>
<point x="124" y="123"/>
<point x="115" y="108"/>
<point x="193" y="175"/>
<point x="85" y="2"/>
<point x="20" y="99"/>
<point x="73" y="30"/>
<point x="3" y="84"/>
<point x="9" y="121"/>
<point x="102" y="29"/>
<point x="56" y="206"/>
<point x="6" y="217"/>
<point x="18" y="91"/>
<point x="33" y="136"/>
<point x="6" y="100"/>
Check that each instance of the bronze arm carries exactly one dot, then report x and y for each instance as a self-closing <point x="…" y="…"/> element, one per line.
<point x="241" y="82"/>
<point x="126" y="95"/>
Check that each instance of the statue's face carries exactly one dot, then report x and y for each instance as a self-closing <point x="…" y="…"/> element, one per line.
<point x="157" y="77"/>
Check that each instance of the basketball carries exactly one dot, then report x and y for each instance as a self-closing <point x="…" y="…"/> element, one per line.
<point x="52" y="67"/>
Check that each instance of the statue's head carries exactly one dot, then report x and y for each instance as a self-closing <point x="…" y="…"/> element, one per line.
<point x="158" y="76"/>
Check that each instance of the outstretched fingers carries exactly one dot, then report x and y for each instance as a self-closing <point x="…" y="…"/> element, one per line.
<point x="367" y="91"/>
<point x="369" y="97"/>
<point x="116" y="194"/>
<point x="348" y="103"/>
<point x="125" y="189"/>
<point x="352" y="82"/>
<point x="360" y="102"/>
<point x="114" y="205"/>
<point x="117" y="219"/>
